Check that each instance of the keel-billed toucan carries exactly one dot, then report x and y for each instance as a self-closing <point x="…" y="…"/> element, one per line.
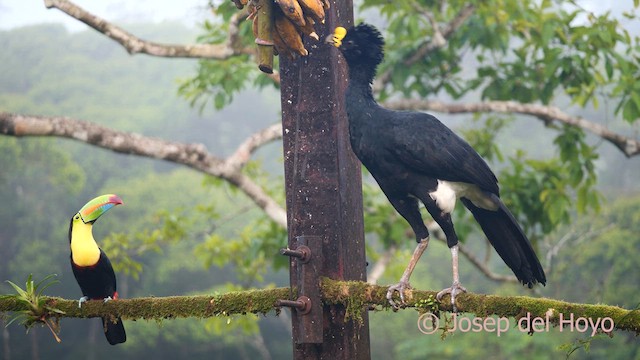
<point x="90" y="264"/>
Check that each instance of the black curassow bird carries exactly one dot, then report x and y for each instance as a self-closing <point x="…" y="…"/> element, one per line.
<point x="414" y="157"/>
<point x="91" y="266"/>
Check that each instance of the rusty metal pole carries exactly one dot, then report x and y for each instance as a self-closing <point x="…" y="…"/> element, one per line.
<point x="324" y="184"/>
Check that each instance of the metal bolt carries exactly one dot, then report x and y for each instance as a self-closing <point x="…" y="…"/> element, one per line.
<point x="302" y="252"/>
<point x="302" y="305"/>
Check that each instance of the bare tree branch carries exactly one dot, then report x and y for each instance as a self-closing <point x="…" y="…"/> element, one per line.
<point x="482" y="266"/>
<point x="439" y="40"/>
<point x="437" y="233"/>
<point x="629" y="146"/>
<point x="195" y="156"/>
<point x="381" y="265"/>
<point x="258" y="343"/>
<point x="135" y="45"/>
<point x="572" y="238"/>
<point x="229" y="169"/>
<point x="441" y="36"/>
<point x="243" y="153"/>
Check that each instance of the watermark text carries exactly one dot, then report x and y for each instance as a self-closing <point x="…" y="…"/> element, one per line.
<point x="429" y="323"/>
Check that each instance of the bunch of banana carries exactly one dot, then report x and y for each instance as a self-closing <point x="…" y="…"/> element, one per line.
<point x="291" y="20"/>
<point x="240" y="4"/>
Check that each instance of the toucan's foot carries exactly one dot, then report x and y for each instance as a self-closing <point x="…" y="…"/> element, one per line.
<point x="400" y="288"/>
<point x="455" y="289"/>
<point x="108" y="298"/>
<point x="82" y="299"/>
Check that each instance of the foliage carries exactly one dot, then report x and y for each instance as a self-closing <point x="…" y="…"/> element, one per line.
<point x="383" y="220"/>
<point x="175" y="236"/>
<point x="547" y="193"/>
<point x="219" y="80"/>
<point x="124" y="249"/>
<point x="604" y="244"/>
<point x="37" y="308"/>
<point x="46" y="181"/>
<point x="500" y="55"/>
<point x="516" y="44"/>
<point x="34" y="189"/>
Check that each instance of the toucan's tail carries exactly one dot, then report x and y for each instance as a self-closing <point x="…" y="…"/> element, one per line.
<point x="114" y="331"/>
<point x="506" y="236"/>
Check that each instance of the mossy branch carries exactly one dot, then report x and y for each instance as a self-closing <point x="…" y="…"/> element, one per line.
<point x="236" y="302"/>
<point x="356" y="296"/>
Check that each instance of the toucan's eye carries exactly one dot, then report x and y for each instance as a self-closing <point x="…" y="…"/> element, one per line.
<point x="77" y="217"/>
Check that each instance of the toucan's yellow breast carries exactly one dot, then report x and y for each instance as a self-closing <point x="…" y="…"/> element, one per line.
<point x="84" y="249"/>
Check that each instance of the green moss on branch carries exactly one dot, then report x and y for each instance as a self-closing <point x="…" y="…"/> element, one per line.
<point x="237" y="302"/>
<point x="362" y="294"/>
<point x="356" y="296"/>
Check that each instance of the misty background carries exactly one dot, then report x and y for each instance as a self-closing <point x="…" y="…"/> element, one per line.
<point x="51" y="64"/>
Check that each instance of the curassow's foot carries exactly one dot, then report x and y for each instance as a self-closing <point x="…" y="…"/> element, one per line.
<point x="455" y="289"/>
<point x="82" y="299"/>
<point x="403" y="284"/>
<point x="400" y="288"/>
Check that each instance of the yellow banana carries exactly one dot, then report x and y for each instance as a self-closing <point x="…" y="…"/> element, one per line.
<point x="289" y="35"/>
<point x="308" y="29"/>
<point x="292" y="10"/>
<point x="280" y="47"/>
<point x="239" y="3"/>
<point x="313" y="8"/>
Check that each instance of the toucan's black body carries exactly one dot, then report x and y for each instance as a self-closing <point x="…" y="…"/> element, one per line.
<point x="96" y="277"/>
<point x="97" y="283"/>
<point x="414" y="157"/>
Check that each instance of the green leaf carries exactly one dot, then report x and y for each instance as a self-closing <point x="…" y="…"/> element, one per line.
<point x="18" y="289"/>
<point x="630" y="110"/>
<point x="41" y="288"/>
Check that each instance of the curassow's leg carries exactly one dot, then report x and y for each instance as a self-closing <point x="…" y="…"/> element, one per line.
<point x="455" y="287"/>
<point x="404" y="280"/>
<point x="443" y="218"/>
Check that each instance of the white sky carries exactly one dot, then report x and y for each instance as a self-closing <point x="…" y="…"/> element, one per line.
<point x="15" y="13"/>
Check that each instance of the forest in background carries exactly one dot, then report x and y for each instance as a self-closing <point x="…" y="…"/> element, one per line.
<point x="46" y="70"/>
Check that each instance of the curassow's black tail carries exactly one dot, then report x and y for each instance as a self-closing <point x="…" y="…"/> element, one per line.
<point x="114" y="331"/>
<point x="506" y="236"/>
